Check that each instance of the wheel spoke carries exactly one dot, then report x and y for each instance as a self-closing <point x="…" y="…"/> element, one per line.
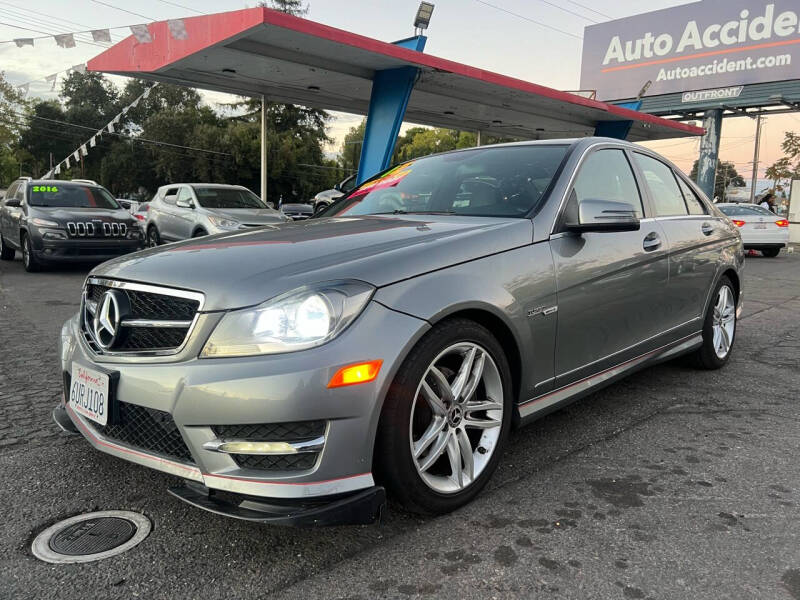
<point x="717" y="337"/>
<point x="464" y="372"/>
<point x="481" y="423"/>
<point x="445" y="392"/>
<point x="454" y="455"/>
<point x="475" y="377"/>
<point x="436" y="403"/>
<point x="436" y="451"/>
<point x="479" y="405"/>
<point x="431" y="433"/>
<point x="726" y="340"/>
<point x="466" y="454"/>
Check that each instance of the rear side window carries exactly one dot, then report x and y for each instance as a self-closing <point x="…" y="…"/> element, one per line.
<point x="667" y="196"/>
<point x="693" y="203"/>
<point x="607" y="175"/>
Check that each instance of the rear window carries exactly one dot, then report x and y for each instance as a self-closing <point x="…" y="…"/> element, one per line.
<point x="744" y="210"/>
<point x="70" y="195"/>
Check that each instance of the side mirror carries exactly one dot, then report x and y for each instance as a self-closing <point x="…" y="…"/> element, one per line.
<point x="12" y="202"/>
<point x="604" y="215"/>
<point x="183" y="203"/>
<point x="338" y="186"/>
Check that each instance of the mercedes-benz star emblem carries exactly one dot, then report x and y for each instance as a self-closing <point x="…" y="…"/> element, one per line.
<point x="106" y="320"/>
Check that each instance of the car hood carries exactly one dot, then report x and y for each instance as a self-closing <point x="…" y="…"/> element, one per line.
<point x="245" y="268"/>
<point x="66" y="214"/>
<point x="248" y="215"/>
<point x="330" y="194"/>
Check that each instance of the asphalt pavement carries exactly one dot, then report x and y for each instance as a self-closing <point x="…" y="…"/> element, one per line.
<point x="674" y="483"/>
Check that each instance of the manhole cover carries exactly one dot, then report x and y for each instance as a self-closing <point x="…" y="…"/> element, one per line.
<point x="92" y="536"/>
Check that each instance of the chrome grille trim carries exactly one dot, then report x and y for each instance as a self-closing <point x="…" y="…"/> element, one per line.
<point x="91" y="306"/>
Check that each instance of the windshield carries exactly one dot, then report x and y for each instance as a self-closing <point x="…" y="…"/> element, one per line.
<point x="220" y="197"/>
<point x="70" y="196"/>
<point x="745" y="210"/>
<point x="507" y="181"/>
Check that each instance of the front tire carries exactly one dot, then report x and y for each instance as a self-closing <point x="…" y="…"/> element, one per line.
<point x="6" y="251"/>
<point x="199" y="233"/>
<point x="153" y="239"/>
<point x="719" y="328"/>
<point x="29" y="260"/>
<point x="446" y="418"/>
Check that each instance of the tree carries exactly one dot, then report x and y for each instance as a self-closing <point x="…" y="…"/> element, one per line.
<point x="12" y="109"/>
<point x="292" y="7"/>
<point x="780" y="170"/>
<point x="350" y="155"/>
<point x="726" y="175"/>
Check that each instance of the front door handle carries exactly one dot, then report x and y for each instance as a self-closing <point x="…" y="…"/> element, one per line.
<point x="652" y="241"/>
<point x="707" y="228"/>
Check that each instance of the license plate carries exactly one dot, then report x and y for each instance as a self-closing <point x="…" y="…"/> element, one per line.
<point x="89" y="393"/>
<point x="761" y="226"/>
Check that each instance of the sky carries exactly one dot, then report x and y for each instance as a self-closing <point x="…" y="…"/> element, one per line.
<point x="498" y="35"/>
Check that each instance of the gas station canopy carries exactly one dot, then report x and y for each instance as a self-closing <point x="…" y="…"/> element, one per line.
<point x="258" y="51"/>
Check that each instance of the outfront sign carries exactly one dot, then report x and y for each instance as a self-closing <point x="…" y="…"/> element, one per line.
<point x="706" y="45"/>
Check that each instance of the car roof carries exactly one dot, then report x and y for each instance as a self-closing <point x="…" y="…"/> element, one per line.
<point x="62" y="182"/>
<point x="216" y="185"/>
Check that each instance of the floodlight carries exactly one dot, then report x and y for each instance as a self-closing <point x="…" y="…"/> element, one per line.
<point x="423" y="18"/>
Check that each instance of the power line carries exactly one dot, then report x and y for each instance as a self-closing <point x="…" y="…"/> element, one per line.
<point x="59" y="29"/>
<point x="566" y="10"/>
<point x="130" y="12"/>
<point x="47" y="35"/>
<point x="182" y="6"/>
<point x="590" y="9"/>
<point x="519" y="16"/>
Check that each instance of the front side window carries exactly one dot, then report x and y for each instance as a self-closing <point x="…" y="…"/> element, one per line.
<point x="506" y="181"/>
<point x="10" y="192"/>
<point x="218" y="197"/>
<point x="607" y="175"/>
<point x="70" y="195"/>
<point x="693" y="203"/>
<point x="667" y="196"/>
<point x="185" y="194"/>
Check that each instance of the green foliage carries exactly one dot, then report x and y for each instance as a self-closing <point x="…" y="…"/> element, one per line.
<point x="350" y="154"/>
<point x="727" y="175"/>
<point x="12" y="108"/>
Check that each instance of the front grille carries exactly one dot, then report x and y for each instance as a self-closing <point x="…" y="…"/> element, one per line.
<point x="145" y="305"/>
<point x="296" y="431"/>
<point x="96" y="229"/>
<point x="277" y="462"/>
<point x="148" y="429"/>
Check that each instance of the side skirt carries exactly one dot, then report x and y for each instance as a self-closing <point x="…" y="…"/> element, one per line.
<point x="537" y="407"/>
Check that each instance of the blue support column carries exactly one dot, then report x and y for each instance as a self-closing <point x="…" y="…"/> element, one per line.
<point x="617" y="129"/>
<point x="709" y="152"/>
<point x="391" y="90"/>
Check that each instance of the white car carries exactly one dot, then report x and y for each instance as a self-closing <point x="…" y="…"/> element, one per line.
<point x="761" y="229"/>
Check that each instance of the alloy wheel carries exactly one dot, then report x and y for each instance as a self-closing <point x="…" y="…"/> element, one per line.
<point x="26" y="252"/>
<point x="152" y="238"/>
<point x="456" y="418"/>
<point x="724" y="321"/>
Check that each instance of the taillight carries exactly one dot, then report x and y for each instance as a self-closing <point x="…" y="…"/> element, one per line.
<point x="140" y="217"/>
<point x="782" y="223"/>
<point x="737" y="222"/>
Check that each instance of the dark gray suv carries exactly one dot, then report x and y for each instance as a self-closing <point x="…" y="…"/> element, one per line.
<point x="53" y="221"/>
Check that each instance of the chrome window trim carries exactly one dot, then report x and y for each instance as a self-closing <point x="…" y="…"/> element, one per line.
<point x="139" y="287"/>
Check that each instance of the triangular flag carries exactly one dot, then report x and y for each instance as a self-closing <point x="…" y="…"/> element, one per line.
<point x="141" y="33"/>
<point x="57" y="170"/>
<point x="20" y="42"/>
<point x="48" y="175"/>
<point x="66" y="163"/>
<point x="76" y="156"/>
<point x="24" y="89"/>
<point x="116" y="119"/>
<point x="79" y="68"/>
<point x="147" y="91"/>
<point x="135" y="103"/>
<point x="52" y="79"/>
<point x="177" y="29"/>
<point x="93" y="142"/>
<point x="84" y="151"/>
<point x="65" y="40"/>
<point x="111" y="127"/>
<point x="101" y="35"/>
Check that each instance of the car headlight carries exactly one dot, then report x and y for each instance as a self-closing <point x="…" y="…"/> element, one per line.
<point x="49" y="234"/>
<point x="303" y="318"/>
<point x="43" y="222"/>
<point x="223" y="223"/>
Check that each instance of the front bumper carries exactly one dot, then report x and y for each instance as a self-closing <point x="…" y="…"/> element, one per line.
<point x="77" y="250"/>
<point x="199" y="394"/>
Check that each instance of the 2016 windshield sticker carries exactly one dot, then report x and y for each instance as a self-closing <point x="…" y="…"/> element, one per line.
<point x="45" y="188"/>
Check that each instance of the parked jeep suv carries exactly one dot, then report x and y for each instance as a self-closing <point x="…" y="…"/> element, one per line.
<point x="61" y="221"/>
<point x="187" y="210"/>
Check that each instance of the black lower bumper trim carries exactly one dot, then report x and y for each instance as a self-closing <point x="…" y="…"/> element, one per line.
<point x="363" y="507"/>
<point x="62" y="419"/>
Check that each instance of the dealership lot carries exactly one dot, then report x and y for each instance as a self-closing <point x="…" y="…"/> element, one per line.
<point x="674" y="483"/>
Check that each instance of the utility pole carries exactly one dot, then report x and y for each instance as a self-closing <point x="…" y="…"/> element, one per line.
<point x="263" y="149"/>
<point x="755" y="161"/>
<point x="478" y="140"/>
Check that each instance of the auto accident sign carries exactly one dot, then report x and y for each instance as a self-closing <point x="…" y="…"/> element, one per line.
<point x="699" y="46"/>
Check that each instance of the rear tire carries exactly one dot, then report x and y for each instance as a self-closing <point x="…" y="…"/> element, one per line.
<point x="428" y="401"/>
<point x="719" y="328"/>
<point x="29" y="261"/>
<point x="6" y="251"/>
<point x="199" y="233"/>
<point x="771" y="252"/>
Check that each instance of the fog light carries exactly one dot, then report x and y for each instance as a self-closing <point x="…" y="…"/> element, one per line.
<point x="244" y="447"/>
<point x="354" y="374"/>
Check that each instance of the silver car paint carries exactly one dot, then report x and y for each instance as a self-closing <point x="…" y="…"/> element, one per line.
<point x="176" y="223"/>
<point x="575" y="312"/>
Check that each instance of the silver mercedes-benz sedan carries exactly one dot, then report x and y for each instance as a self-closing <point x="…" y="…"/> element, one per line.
<point x="292" y="374"/>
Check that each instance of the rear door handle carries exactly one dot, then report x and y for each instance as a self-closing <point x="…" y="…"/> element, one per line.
<point x="707" y="229"/>
<point x="652" y="241"/>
